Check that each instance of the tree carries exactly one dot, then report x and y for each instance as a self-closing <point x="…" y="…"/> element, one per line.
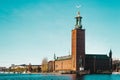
<point x="30" y="67"/>
<point x="44" y="65"/>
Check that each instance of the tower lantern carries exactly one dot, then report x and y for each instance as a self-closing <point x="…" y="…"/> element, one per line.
<point x="78" y="24"/>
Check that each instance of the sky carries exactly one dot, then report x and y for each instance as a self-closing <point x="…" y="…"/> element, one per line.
<point x="31" y="30"/>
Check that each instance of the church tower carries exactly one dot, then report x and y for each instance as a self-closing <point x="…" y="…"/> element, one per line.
<point x="78" y="45"/>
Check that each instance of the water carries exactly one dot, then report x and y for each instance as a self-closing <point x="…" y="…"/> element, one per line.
<point x="58" y="77"/>
<point x="102" y="77"/>
<point x="34" y="77"/>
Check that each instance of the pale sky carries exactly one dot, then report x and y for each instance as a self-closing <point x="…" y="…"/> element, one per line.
<point x="33" y="29"/>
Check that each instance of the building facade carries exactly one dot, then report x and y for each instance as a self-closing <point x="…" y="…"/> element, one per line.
<point x="78" y="60"/>
<point x="97" y="63"/>
<point x="50" y="66"/>
<point x="63" y="63"/>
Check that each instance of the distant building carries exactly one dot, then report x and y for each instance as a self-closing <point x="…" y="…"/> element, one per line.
<point x="2" y="69"/>
<point x="13" y="66"/>
<point x="116" y="65"/>
<point x="25" y="68"/>
<point x="50" y="66"/>
<point x="78" y="60"/>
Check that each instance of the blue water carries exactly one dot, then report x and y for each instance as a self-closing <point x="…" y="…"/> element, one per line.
<point x="102" y="77"/>
<point x="33" y="77"/>
<point x="57" y="77"/>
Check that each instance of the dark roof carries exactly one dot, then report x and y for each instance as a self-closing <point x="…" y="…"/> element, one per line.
<point x="64" y="57"/>
<point x="97" y="56"/>
<point x="26" y="65"/>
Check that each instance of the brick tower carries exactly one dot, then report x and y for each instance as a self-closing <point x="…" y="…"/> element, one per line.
<point x="78" y="45"/>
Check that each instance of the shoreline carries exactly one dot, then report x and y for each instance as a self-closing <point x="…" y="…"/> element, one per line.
<point x="58" y="73"/>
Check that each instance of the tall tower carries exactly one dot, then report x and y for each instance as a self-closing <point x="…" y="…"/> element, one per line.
<point x="78" y="45"/>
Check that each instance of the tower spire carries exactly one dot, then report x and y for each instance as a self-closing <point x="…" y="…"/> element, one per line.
<point x="78" y="18"/>
<point x="110" y="53"/>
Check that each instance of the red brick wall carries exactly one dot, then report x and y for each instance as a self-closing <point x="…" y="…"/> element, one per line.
<point x="78" y="47"/>
<point x="74" y="41"/>
<point x="63" y="65"/>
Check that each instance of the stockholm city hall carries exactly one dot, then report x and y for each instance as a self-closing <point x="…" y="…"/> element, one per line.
<point x="79" y="60"/>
